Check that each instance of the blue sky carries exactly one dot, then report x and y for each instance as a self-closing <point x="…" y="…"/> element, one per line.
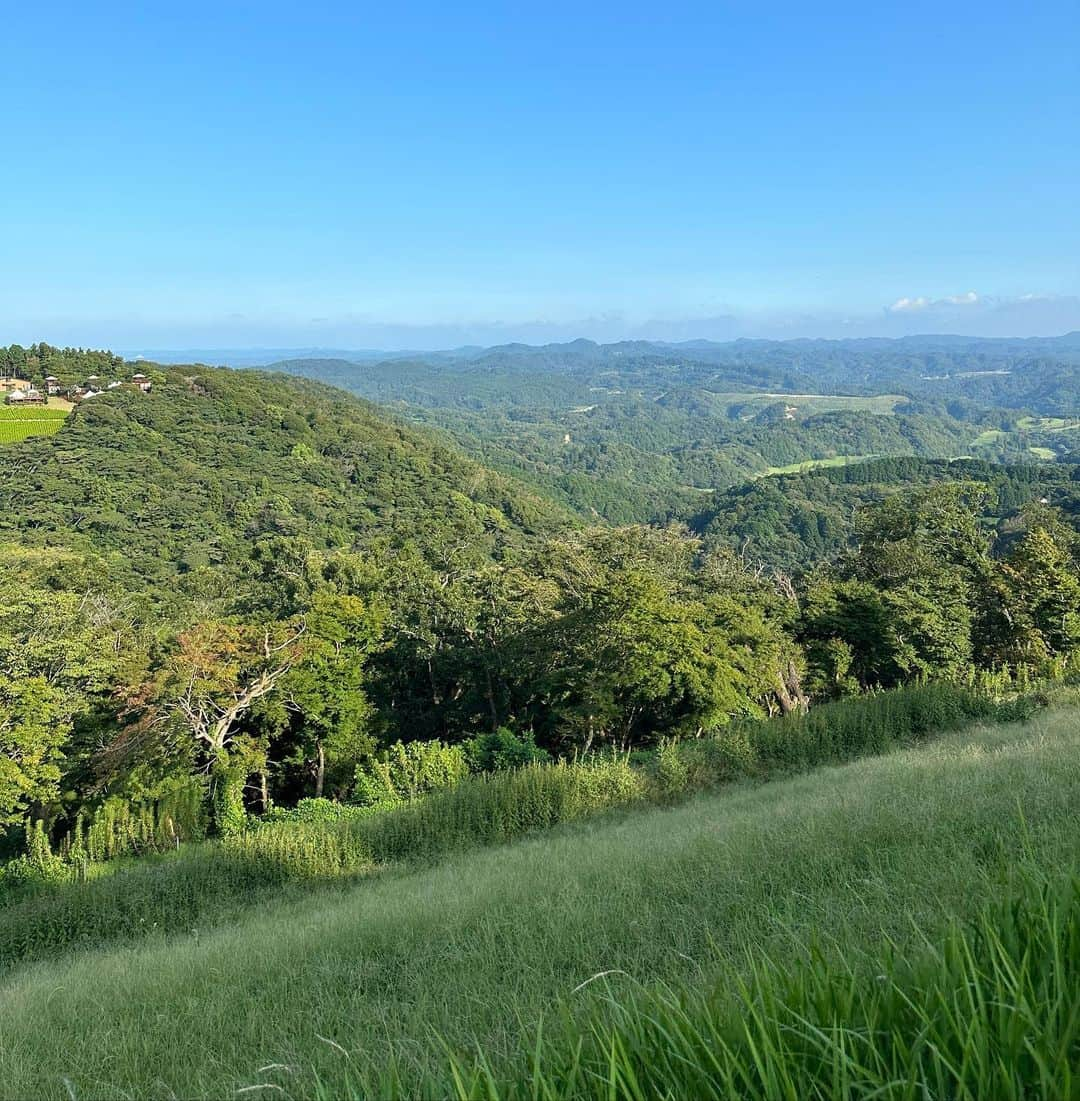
<point x="416" y="175"/>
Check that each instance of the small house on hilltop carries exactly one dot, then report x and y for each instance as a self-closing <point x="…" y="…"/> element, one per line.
<point x="52" y="385"/>
<point x="141" y="381"/>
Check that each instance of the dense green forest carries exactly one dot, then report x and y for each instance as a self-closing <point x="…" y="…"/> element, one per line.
<point x="796" y="521"/>
<point x="243" y="589"/>
<point x="638" y="432"/>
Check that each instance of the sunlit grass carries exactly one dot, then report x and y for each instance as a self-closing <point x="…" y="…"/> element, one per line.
<point x="19" y="424"/>
<point x="376" y="984"/>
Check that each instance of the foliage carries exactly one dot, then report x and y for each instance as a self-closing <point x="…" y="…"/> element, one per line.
<point x="274" y="591"/>
<point x="406" y="772"/>
<point x="502" y="749"/>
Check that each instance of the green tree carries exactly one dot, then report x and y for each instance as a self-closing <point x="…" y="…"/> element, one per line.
<point x="59" y="652"/>
<point x="1046" y="581"/>
<point x="326" y="689"/>
<point x="33" y="734"/>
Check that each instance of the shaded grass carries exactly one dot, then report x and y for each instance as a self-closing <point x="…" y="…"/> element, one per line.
<point x="479" y="947"/>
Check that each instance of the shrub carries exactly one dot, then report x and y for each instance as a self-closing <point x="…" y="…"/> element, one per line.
<point x="850" y="728"/>
<point x="227" y="791"/>
<point x="301" y="850"/>
<point x="502" y="750"/>
<point x="497" y="807"/>
<point x="312" y="811"/>
<point x="37" y="865"/>
<point x="407" y="771"/>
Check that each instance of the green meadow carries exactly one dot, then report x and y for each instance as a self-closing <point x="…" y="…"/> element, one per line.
<point x="545" y="967"/>
<point x="816" y="464"/>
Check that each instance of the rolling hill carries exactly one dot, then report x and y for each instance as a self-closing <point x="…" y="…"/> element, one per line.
<point x="194" y="475"/>
<point x="634" y="432"/>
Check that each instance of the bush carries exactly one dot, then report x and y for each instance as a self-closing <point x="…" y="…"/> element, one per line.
<point x="302" y="850"/>
<point x="503" y="750"/>
<point x="227" y="791"/>
<point x="405" y="772"/>
<point x="312" y="811"/>
<point x="497" y="807"/>
<point x="863" y="725"/>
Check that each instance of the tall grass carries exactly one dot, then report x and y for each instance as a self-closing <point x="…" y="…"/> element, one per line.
<point x="199" y="886"/>
<point x="991" y="1009"/>
<point x="469" y="953"/>
<point x="212" y="882"/>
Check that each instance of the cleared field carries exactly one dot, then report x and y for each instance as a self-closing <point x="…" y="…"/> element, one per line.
<point x="807" y="404"/>
<point x="1049" y="424"/>
<point x="991" y="435"/>
<point x="17" y="424"/>
<point x="813" y="464"/>
<point x="356" y="992"/>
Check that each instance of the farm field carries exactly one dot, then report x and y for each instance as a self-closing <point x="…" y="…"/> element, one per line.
<point x="363" y="990"/>
<point x="18" y="424"/>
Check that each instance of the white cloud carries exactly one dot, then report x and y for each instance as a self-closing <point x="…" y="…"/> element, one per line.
<point x="906" y="305"/>
<point x="910" y="305"/>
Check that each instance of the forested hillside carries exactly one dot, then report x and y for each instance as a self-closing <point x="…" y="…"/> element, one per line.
<point x="189" y="484"/>
<point x="637" y="432"/>
<point x="796" y="521"/>
<point x="240" y="590"/>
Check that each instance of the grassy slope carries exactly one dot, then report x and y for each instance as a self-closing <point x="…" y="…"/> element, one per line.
<point x="817" y="464"/>
<point x="488" y="939"/>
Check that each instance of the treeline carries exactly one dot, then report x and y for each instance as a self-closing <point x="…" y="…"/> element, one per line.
<point x="565" y="645"/>
<point x="70" y="365"/>
<point x="794" y="521"/>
